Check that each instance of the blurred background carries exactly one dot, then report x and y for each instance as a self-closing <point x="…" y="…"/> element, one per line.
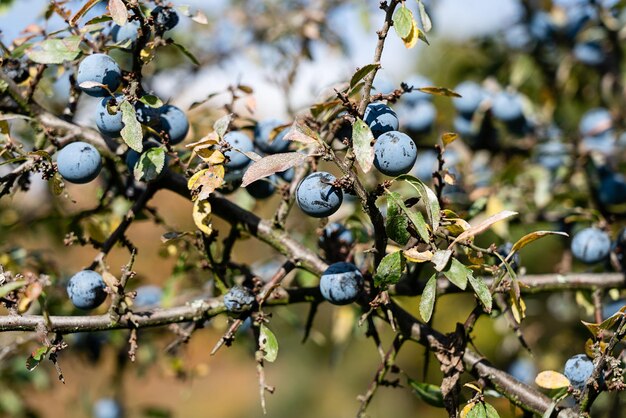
<point x="256" y="43"/>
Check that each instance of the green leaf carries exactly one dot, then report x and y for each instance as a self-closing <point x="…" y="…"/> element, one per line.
<point x="150" y="164"/>
<point x="10" y="287"/>
<point x="416" y="218"/>
<point x="55" y="51"/>
<point x="362" y="143"/>
<point x="187" y="53"/>
<point x="19" y="51"/>
<point x="397" y="223"/>
<point x="428" y="197"/>
<point x="131" y="133"/>
<point x="36" y="357"/>
<point x="3" y="86"/>
<point x="390" y="269"/>
<point x="427" y="303"/>
<point x="403" y="21"/>
<point x="361" y="73"/>
<point x="458" y="274"/>
<point x="431" y="394"/>
<point x="426" y="23"/>
<point x="482" y="291"/>
<point x="483" y="410"/>
<point x="151" y="101"/>
<point x="268" y="344"/>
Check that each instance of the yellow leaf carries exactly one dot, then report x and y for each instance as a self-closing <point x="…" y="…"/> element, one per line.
<point x="204" y="182"/>
<point x="411" y="40"/>
<point x="473" y="387"/>
<point x="448" y="138"/>
<point x="483" y="226"/>
<point x="550" y="379"/>
<point x="343" y="324"/>
<point x="466" y="409"/>
<point x="210" y="156"/>
<point x="202" y="216"/>
<point x="192" y="181"/>
<point x="415" y="256"/>
<point x="211" y="139"/>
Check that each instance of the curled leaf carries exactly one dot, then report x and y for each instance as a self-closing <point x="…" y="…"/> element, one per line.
<point x="271" y="164"/>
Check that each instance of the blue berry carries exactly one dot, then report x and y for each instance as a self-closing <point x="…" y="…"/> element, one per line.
<point x="174" y="122"/>
<point x="232" y="180"/>
<point x="341" y="283"/>
<point x="336" y="232"/>
<point x="79" y="162"/>
<point x="507" y="107"/>
<point x="148" y="296"/>
<point x="380" y="118"/>
<point x="394" y="153"/>
<point x="463" y="126"/>
<point x="425" y="165"/>
<point x="238" y="299"/>
<point x="239" y="143"/>
<point x="107" y="408"/>
<point x="518" y="37"/>
<point x="263" y="188"/>
<point x="603" y="143"/>
<point x="612" y="187"/>
<point x="578" y="370"/>
<point x="165" y="18"/>
<point x="541" y="26"/>
<point x="316" y="195"/>
<point x="86" y="289"/>
<point x="288" y="174"/>
<point x="418" y="119"/>
<point x="102" y="69"/>
<point x="591" y="245"/>
<point x="589" y="53"/>
<point x="128" y="32"/>
<point x="595" y="122"/>
<point x="523" y="370"/>
<point x="110" y="124"/>
<point x="552" y="154"/>
<point x="263" y="132"/>
<point x="472" y="95"/>
<point x="148" y="115"/>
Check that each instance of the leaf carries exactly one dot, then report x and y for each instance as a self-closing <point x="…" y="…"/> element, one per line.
<point x="415" y="256"/>
<point x="86" y="7"/>
<point x="431" y="394"/>
<point x="10" y="287"/>
<point x="362" y="143"/>
<point x="362" y="72"/>
<point x="221" y="125"/>
<point x="150" y="164"/>
<point x="550" y="379"/>
<point x="427" y="303"/>
<point x="397" y="223"/>
<point x="390" y="269"/>
<point x="402" y="21"/>
<point x="172" y="236"/>
<point x="204" y="182"/>
<point x="299" y="132"/>
<point x="92" y="84"/>
<point x="268" y="344"/>
<point x="31" y="294"/>
<point x="482" y="291"/>
<point x="441" y="259"/>
<point x="428" y="197"/>
<point x="483" y="226"/>
<point x="271" y="164"/>
<point x="202" y="216"/>
<point x="36" y="357"/>
<point x="533" y="236"/>
<point x="458" y="274"/>
<point x="186" y="52"/>
<point x="439" y="91"/>
<point x="151" y="101"/>
<point x="605" y="325"/>
<point x="414" y="35"/>
<point x="131" y="132"/>
<point x="448" y="138"/>
<point x="482" y="410"/>
<point x="416" y="218"/>
<point x="426" y="23"/>
<point x="118" y="11"/>
<point x="200" y="17"/>
<point x="55" y="51"/>
<point x="210" y="156"/>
